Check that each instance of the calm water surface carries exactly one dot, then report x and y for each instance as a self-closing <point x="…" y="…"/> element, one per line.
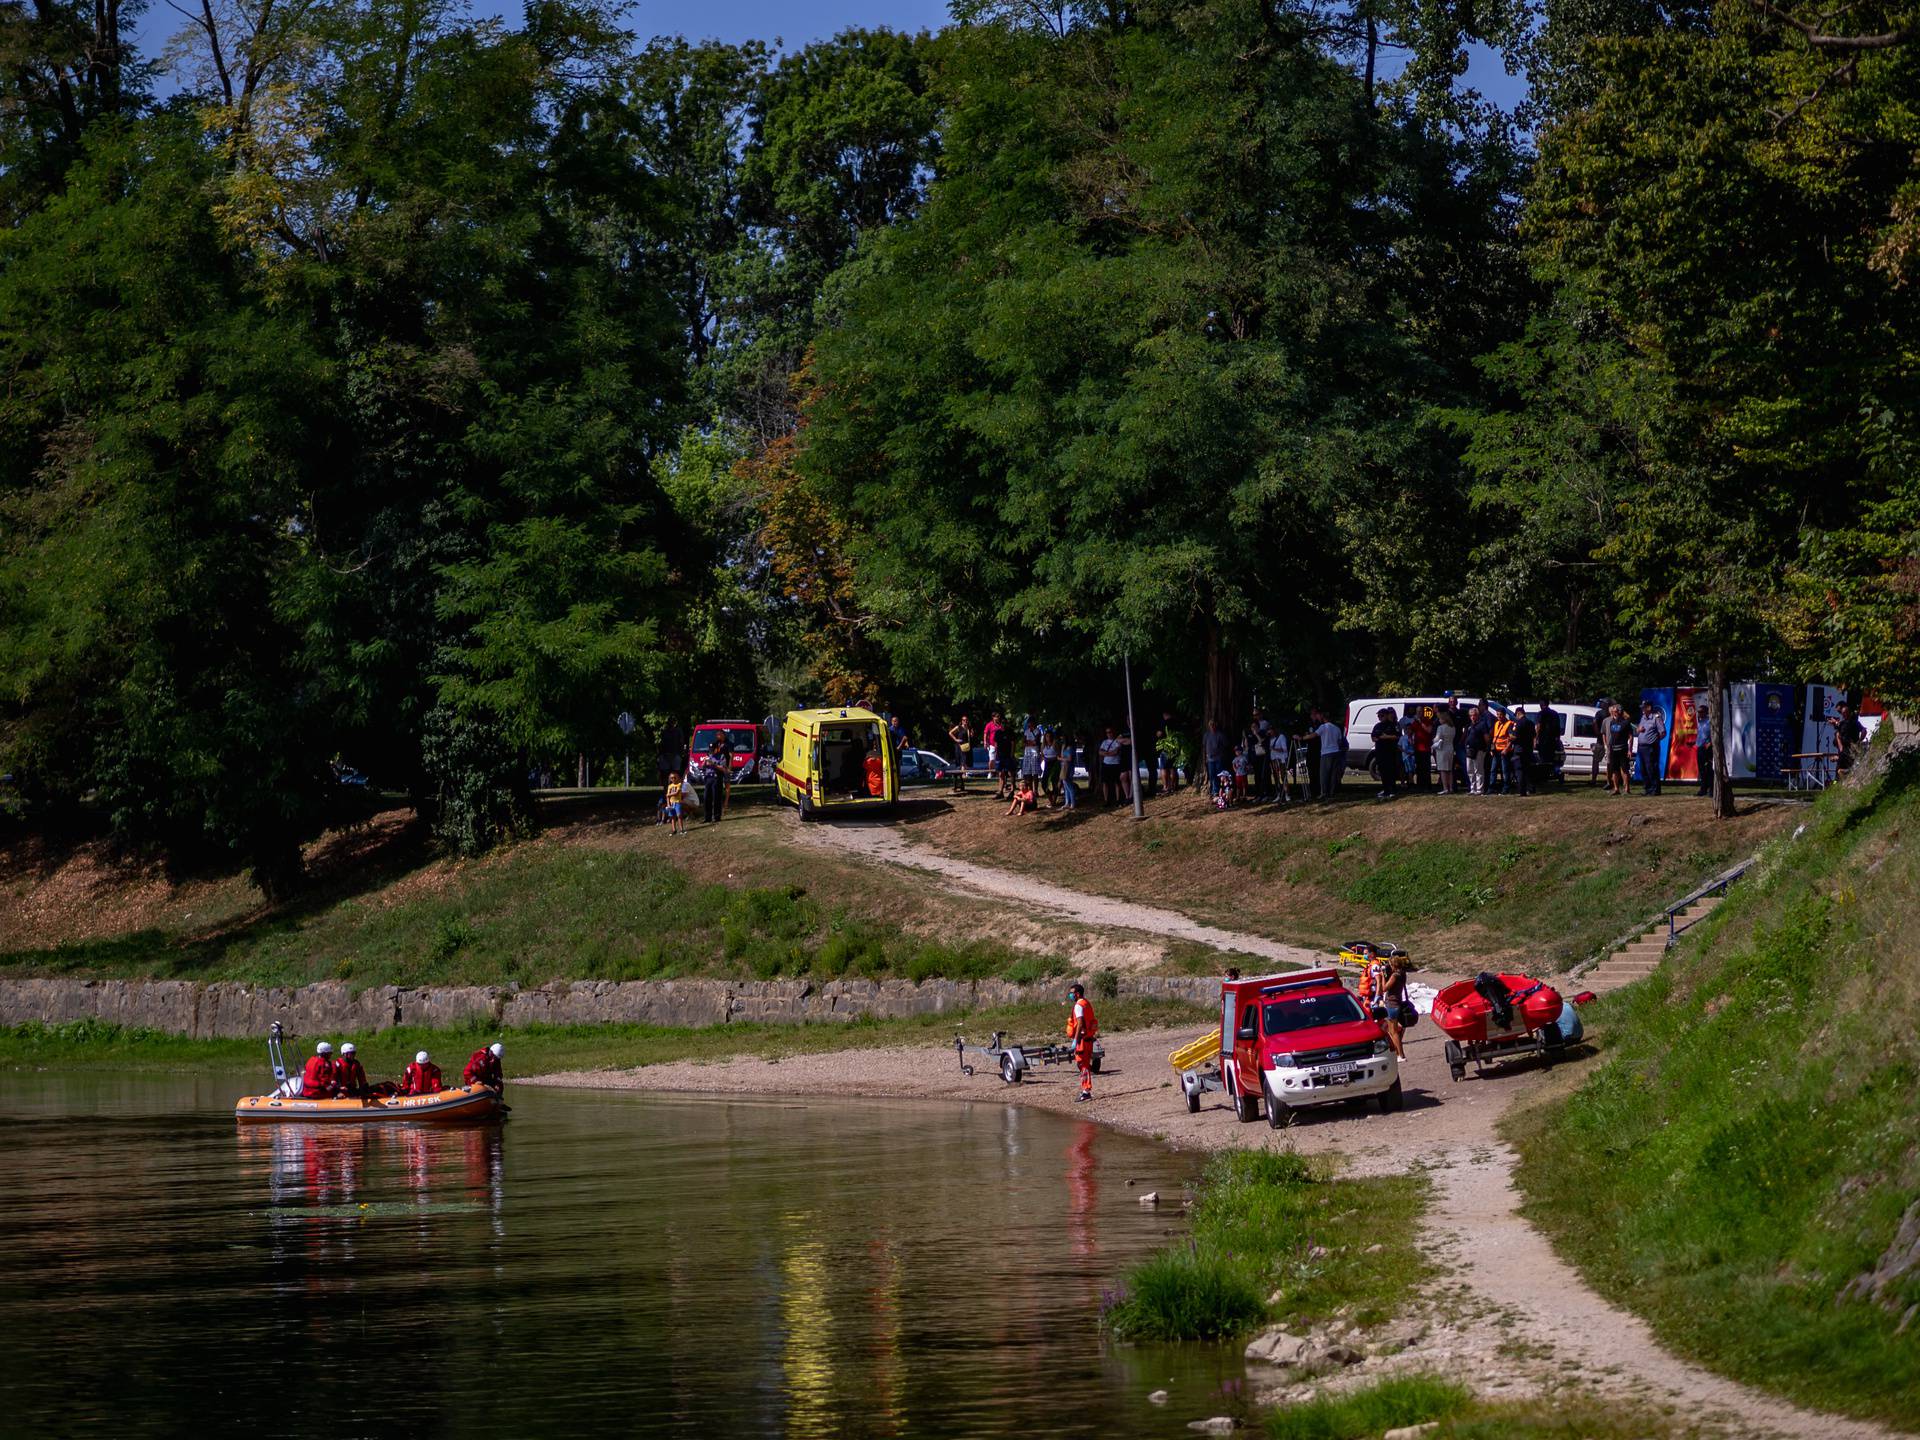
<point x="603" y="1263"/>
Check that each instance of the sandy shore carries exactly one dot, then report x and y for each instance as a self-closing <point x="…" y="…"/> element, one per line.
<point x="1136" y="1092"/>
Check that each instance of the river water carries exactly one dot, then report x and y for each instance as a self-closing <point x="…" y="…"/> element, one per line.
<point x="602" y="1263"/>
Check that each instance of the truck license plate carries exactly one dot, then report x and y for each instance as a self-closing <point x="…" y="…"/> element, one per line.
<point x="1339" y="1071"/>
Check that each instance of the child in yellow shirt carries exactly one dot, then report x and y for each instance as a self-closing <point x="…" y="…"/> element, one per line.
<point x="676" y="810"/>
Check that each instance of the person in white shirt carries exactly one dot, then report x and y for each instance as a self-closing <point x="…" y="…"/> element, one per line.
<point x="1333" y="758"/>
<point x="1280" y="757"/>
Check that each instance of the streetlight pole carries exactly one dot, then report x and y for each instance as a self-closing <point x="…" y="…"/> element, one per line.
<point x="1133" y="737"/>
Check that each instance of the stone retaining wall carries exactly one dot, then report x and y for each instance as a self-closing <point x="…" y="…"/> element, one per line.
<point x="228" y="1008"/>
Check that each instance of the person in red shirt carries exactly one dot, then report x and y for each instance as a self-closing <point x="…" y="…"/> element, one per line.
<point x="483" y="1067"/>
<point x="317" y="1080"/>
<point x="422" y="1077"/>
<point x="349" y="1077"/>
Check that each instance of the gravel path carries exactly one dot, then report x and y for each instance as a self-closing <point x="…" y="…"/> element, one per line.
<point x="881" y="841"/>
<point x="1508" y="1311"/>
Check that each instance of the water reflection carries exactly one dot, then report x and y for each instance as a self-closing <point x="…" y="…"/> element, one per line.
<point x="646" y="1265"/>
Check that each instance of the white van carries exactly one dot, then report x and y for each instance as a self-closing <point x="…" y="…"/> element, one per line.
<point x="1579" y="740"/>
<point x="1363" y="715"/>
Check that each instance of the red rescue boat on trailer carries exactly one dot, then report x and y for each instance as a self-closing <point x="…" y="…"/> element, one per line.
<point x="1498" y="1017"/>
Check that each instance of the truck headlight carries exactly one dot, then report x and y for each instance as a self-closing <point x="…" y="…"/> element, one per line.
<point x="1380" y="1047"/>
<point x="1283" y="1062"/>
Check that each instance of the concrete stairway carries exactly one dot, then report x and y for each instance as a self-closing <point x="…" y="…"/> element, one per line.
<point x="1640" y="956"/>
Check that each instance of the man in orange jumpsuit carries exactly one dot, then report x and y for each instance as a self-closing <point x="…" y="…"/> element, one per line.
<point x="316" y="1081"/>
<point x="483" y="1067"/>
<point x="1081" y="1030"/>
<point x="422" y="1077"/>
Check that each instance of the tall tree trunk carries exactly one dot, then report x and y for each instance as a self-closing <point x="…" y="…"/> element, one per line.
<point x="1722" y="734"/>
<point x="1222" y="699"/>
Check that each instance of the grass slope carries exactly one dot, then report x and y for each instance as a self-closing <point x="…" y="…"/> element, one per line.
<point x="1743" y="1168"/>
<point x="614" y="898"/>
<point x="1460" y="881"/>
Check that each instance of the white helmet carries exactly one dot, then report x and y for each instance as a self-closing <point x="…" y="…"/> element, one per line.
<point x="347" y="1049"/>
<point x="323" y="1048"/>
<point x="497" y="1048"/>
<point x="421" y="1058"/>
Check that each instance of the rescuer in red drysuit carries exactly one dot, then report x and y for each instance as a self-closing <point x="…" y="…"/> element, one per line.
<point x="317" y="1080"/>
<point x="483" y="1068"/>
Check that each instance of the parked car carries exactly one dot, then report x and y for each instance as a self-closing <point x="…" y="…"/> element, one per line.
<point x="743" y="738"/>
<point x="1363" y="715"/>
<point x="924" y="767"/>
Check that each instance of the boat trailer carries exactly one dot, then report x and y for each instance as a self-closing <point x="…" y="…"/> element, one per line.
<point x="1015" y="1059"/>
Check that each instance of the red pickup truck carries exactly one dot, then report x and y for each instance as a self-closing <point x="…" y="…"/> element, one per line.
<point x="1294" y="1040"/>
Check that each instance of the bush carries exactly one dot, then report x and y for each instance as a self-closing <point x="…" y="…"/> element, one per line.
<point x="1186" y="1294"/>
<point x="1265" y="1224"/>
<point x="1412" y="1400"/>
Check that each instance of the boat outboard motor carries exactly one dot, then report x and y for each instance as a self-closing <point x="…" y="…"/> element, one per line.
<point x="1497" y="996"/>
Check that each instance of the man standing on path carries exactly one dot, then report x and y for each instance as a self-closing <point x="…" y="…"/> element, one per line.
<point x="1525" y="733"/>
<point x="962" y="737"/>
<point x="1216" y="753"/>
<point x="1081" y="1030"/>
<point x="713" y="790"/>
<point x="1479" y="750"/>
<point x="1311" y="740"/>
<point x="1547" y="732"/>
<point x="994" y="737"/>
<point x="1332" y="744"/>
<point x="1652" y="730"/>
<point x="1848" y="736"/>
<point x="1703" y="747"/>
<point x="1386" y="753"/>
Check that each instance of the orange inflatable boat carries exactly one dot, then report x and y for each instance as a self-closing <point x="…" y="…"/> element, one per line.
<point x="463" y="1105"/>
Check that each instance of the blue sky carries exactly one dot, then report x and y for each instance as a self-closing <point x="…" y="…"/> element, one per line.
<point x="797" y="25"/>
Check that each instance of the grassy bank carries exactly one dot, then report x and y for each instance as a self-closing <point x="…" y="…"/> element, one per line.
<point x="1456" y="1415"/>
<point x="1459" y="881"/>
<point x="1742" y="1169"/>
<point x="538" y="1049"/>
<point x="1276" y="1239"/>
<point x="611" y="897"/>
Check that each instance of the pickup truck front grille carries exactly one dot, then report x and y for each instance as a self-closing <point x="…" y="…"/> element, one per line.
<point x="1329" y="1057"/>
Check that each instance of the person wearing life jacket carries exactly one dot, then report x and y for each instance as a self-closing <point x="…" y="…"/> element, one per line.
<point x="483" y="1067"/>
<point x="422" y="1077"/>
<point x="316" y="1081"/>
<point x="1505" y="752"/>
<point x="1081" y="1030"/>
<point x="349" y="1076"/>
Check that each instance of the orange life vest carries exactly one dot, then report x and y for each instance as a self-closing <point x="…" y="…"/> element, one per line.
<point x="1081" y="1026"/>
<point x="1503" y="736"/>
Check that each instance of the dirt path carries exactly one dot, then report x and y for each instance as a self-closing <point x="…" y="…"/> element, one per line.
<point x="882" y="842"/>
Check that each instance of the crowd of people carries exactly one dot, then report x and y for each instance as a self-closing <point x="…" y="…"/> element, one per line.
<point x="330" y="1076"/>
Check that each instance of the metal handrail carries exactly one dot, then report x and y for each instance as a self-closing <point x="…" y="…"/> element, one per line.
<point x="1716" y="886"/>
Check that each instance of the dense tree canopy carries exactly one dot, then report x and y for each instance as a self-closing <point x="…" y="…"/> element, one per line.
<point x="414" y="393"/>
